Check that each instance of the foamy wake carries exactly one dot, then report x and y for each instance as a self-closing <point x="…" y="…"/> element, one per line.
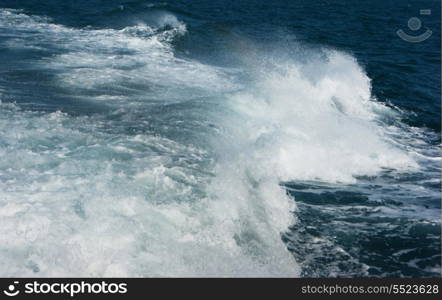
<point x="79" y="196"/>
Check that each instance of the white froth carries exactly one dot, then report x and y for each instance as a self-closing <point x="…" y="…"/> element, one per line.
<point x="320" y="125"/>
<point x="71" y="205"/>
<point x="78" y="198"/>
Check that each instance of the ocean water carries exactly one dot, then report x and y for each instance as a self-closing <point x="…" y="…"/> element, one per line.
<point x="219" y="138"/>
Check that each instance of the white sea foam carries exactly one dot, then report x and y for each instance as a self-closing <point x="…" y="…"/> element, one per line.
<point x="78" y="202"/>
<point x="318" y="121"/>
<point x="79" y="196"/>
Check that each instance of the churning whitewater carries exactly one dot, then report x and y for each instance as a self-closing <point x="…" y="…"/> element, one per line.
<point x="172" y="166"/>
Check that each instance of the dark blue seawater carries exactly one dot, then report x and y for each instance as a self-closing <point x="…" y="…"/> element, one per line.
<point x="220" y="138"/>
